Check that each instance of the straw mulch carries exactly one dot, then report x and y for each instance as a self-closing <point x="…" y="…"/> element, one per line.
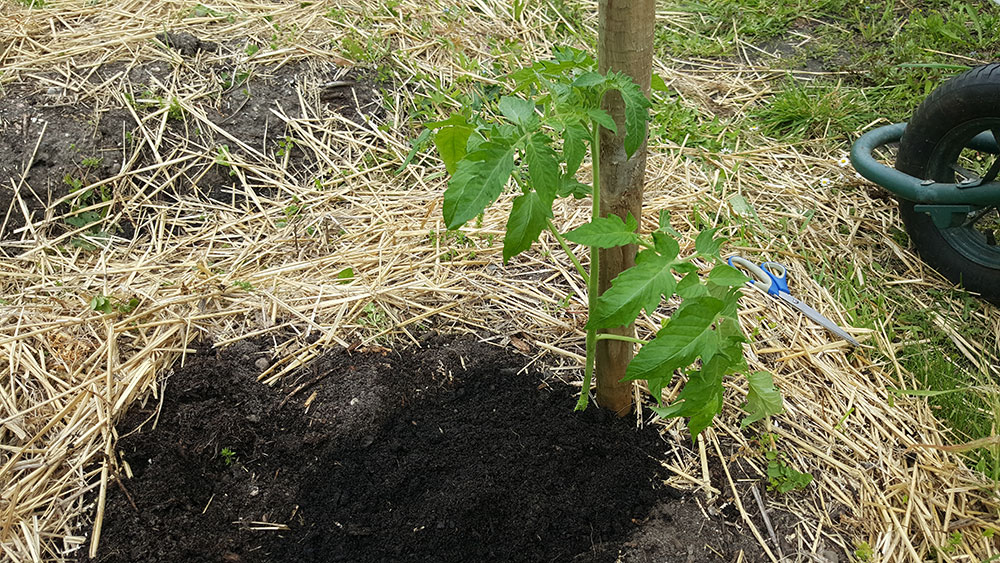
<point x="250" y="268"/>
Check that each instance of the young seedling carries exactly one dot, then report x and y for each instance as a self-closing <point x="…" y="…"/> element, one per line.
<point x="516" y="144"/>
<point x="90" y="221"/>
<point x="175" y="111"/>
<point x="91" y="162"/>
<point x="224" y="158"/>
<point x="106" y="305"/>
<point x="782" y="477"/>
<point x="285" y="146"/>
<point x="244" y="285"/>
<point x="954" y="540"/>
<point x="863" y="551"/>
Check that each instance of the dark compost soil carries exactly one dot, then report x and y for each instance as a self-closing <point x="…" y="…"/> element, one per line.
<point x="450" y="452"/>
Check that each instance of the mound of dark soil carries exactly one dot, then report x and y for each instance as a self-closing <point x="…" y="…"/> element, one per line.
<point x="451" y="452"/>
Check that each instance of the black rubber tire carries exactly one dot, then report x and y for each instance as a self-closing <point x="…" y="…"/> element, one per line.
<point x="940" y="128"/>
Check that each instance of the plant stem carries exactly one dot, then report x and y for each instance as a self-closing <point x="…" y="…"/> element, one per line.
<point x="562" y="242"/>
<point x="592" y="287"/>
<point x="623" y="338"/>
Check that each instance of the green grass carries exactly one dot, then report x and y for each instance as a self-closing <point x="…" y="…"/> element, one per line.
<point x="710" y="28"/>
<point x="677" y="121"/>
<point x="887" y="55"/>
<point x="807" y="111"/>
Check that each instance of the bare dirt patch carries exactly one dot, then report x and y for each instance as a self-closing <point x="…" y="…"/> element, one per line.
<point x="452" y="452"/>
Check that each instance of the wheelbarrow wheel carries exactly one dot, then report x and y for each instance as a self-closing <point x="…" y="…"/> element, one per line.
<point x="934" y="147"/>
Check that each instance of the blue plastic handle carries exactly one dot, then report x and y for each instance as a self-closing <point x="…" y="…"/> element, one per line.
<point x="779" y="276"/>
<point x="773" y="275"/>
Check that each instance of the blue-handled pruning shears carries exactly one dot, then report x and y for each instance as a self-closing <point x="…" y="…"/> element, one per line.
<point x="773" y="278"/>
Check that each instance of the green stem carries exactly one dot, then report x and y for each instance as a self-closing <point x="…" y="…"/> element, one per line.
<point x="568" y="251"/>
<point x="592" y="287"/>
<point x="623" y="338"/>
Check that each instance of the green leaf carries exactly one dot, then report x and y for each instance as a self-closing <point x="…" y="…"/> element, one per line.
<point x="690" y="286"/>
<point x="543" y="166"/>
<point x="731" y="339"/>
<point x="636" y="111"/>
<point x="706" y="245"/>
<point x="666" y="245"/>
<point x="782" y="477"/>
<point x="701" y="397"/>
<point x="603" y="119"/>
<point x="675" y="345"/>
<point x="742" y="207"/>
<point x="763" y="398"/>
<point x="521" y="112"/>
<point x="727" y="276"/>
<point x="606" y="232"/>
<point x="451" y="143"/>
<point x="637" y="288"/>
<point x="454" y="119"/>
<point x="346" y="275"/>
<point x="685" y="267"/>
<point x="731" y="295"/>
<point x="570" y="186"/>
<point x="635" y="124"/>
<point x="129" y="306"/>
<point x="503" y="134"/>
<point x="101" y="304"/>
<point x="523" y="78"/>
<point x="589" y="79"/>
<point x="575" y="137"/>
<point x="528" y="215"/>
<point x="577" y="57"/>
<point x="83" y="219"/>
<point x="475" y="139"/>
<point x="664" y="224"/>
<point x="477" y="182"/>
<point x="656" y="83"/>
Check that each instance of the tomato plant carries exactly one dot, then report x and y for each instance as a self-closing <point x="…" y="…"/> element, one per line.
<point x="535" y="139"/>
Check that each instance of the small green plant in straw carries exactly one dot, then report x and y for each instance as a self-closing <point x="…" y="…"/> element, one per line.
<point x="782" y="477"/>
<point x="513" y="141"/>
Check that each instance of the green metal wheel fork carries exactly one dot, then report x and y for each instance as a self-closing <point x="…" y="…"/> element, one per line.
<point x="956" y="207"/>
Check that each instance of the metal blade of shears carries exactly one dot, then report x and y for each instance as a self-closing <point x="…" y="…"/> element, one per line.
<point x="817" y="317"/>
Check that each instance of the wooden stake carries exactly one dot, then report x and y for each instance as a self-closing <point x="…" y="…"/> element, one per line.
<point x="625" y="44"/>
